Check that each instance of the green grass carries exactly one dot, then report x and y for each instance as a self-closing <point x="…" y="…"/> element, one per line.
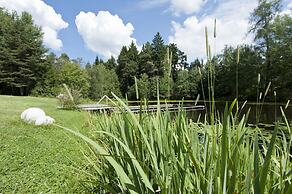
<point x="141" y="153"/>
<point x="38" y="159"/>
<point x="138" y="153"/>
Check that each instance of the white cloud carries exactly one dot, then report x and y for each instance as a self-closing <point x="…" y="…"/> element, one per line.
<point x="186" y="6"/>
<point x="177" y="7"/>
<point x="287" y="10"/>
<point x="232" y="26"/>
<point x="104" y="33"/>
<point x="43" y="15"/>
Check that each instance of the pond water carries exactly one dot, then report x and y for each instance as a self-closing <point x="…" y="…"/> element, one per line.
<point x="270" y="112"/>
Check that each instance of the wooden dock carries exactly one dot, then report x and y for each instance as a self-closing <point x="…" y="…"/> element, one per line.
<point x="149" y="108"/>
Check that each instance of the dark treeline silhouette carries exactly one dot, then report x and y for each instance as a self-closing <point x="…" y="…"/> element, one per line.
<point x="26" y="68"/>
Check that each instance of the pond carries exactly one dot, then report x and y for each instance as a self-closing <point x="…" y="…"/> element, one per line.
<point x="269" y="112"/>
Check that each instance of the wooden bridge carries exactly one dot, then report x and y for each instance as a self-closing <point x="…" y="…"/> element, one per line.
<point x="114" y="107"/>
<point x="148" y="108"/>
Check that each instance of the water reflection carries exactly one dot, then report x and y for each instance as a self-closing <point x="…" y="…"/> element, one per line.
<point x="269" y="112"/>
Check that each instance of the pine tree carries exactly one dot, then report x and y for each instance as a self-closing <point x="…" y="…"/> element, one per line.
<point x="22" y="63"/>
<point x="158" y="54"/>
<point x="179" y="60"/>
<point x="48" y="85"/>
<point x="145" y="63"/>
<point x="127" y="67"/>
<point x="111" y="63"/>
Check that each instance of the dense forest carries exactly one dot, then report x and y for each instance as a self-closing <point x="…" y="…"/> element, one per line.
<point x="28" y="68"/>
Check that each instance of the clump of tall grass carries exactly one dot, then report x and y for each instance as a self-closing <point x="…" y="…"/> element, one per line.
<point x="159" y="153"/>
<point x="156" y="153"/>
<point x="69" y="98"/>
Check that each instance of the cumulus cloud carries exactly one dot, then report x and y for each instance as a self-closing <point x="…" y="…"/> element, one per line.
<point x="186" y="6"/>
<point x="232" y="26"/>
<point x="287" y="10"/>
<point x="43" y="15"/>
<point x="177" y="7"/>
<point x="104" y="33"/>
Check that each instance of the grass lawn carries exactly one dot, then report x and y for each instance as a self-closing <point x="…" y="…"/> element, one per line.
<point x="38" y="159"/>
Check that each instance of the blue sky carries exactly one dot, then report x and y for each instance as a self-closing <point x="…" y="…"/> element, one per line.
<point x="147" y="20"/>
<point x="87" y="28"/>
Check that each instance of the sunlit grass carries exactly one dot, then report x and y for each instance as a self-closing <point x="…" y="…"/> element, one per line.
<point x="36" y="159"/>
<point x="156" y="152"/>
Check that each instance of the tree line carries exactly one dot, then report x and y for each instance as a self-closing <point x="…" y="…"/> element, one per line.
<point x="27" y="68"/>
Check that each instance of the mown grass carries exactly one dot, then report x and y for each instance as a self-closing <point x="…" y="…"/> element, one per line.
<point x="38" y="159"/>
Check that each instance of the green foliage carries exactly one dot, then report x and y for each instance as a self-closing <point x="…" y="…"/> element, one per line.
<point x="145" y="63"/>
<point x="260" y="21"/>
<point x="69" y="98"/>
<point x="102" y="81"/>
<point x="49" y="84"/>
<point x="143" y="85"/>
<point x="111" y="63"/>
<point x="21" y="53"/>
<point x="163" y="84"/>
<point x="158" y="54"/>
<point x="154" y="153"/>
<point x="178" y="61"/>
<point x="74" y="77"/>
<point x="248" y="67"/>
<point x="187" y="84"/>
<point x="281" y="57"/>
<point x="27" y="69"/>
<point x="127" y="68"/>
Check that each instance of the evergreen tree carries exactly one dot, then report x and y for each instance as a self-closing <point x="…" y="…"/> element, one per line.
<point x="196" y="64"/>
<point x="179" y="60"/>
<point x="98" y="61"/>
<point x="127" y="67"/>
<point x="182" y="60"/>
<point x="143" y="88"/>
<point x="22" y="53"/>
<point x="111" y="63"/>
<point x="49" y="84"/>
<point x="145" y="63"/>
<point x="174" y="61"/>
<point x="158" y="53"/>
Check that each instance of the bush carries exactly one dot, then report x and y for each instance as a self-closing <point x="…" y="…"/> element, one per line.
<point x="69" y="98"/>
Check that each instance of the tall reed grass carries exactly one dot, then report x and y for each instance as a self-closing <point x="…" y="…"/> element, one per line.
<point x="170" y="154"/>
<point x="162" y="153"/>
